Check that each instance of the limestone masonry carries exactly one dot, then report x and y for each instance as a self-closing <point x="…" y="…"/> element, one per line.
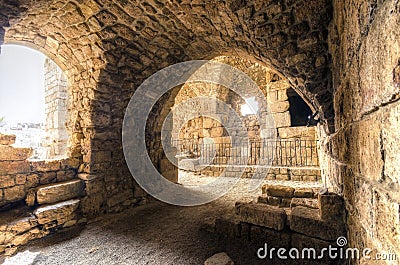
<point x="339" y="59"/>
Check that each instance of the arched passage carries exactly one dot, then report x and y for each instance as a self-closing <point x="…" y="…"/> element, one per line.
<point x="295" y="149"/>
<point x="35" y="110"/>
<point x="107" y="49"/>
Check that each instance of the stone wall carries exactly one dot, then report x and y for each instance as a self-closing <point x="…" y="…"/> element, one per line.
<point x="107" y="49"/>
<point x="275" y="88"/>
<point x="362" y="155"/>
<point x="56" y="110"/>
<point x="19" y="176"/>
<point x="287" y="217"/>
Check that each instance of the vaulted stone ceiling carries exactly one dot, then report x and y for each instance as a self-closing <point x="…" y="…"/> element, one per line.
<point x="131" y="39"/>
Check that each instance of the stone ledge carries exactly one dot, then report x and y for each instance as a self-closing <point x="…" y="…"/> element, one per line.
<point x="278" y="191"/>
<point x="307" y="221"/>
<point x="305" y="202"/>
<point x="9" y="153"/>
<point x="274" y="201"/>
<point x="57" y="212"/>
<point x="262" y="215"/>
<point x="60" y="192"/>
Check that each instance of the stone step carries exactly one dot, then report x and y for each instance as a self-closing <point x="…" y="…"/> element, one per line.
<point x="60" y="212"/>
<point x="305" y="202"/>
<point x="16" y="228"/>
<point x="261" y="214"/>
<point x="275" y="201"/>
<point x="14" y="222"/>
<point x="289" y="192"/>
<point x="308" y="222"/>
<point x="59" y="192"/>
<point x="278" y="191"/>
<point x="19" y="226"/>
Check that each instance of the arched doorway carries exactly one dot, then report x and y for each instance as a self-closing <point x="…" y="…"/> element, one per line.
<point x="33" y="101"/>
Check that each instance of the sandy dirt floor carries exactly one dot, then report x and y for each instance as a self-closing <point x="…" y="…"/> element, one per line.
<point x="154" y="233"/>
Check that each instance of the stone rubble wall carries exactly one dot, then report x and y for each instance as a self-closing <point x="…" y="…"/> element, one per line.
<point x="56" y="110"/>
<point x="286" y="217"/>
<point x="40" y="197"/>
<point x="362" y="157"/>
<point x="19" y="176"/>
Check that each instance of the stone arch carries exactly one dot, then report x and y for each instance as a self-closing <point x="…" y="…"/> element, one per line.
<point x="110" y="48"/>
<point x="274" y="86"/>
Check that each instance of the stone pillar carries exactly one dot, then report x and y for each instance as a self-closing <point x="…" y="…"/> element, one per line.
<point x="56" y="110"/>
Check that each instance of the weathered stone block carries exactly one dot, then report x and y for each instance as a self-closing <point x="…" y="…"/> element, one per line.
<point x="7" y="139"/>
<point x="282" y="177"/>
<point x="9" y="153"/>
<point x="262" y="215"/>
<point x="119" y="198"/>
<point x="277" y="96"/>
<point x="279" y="191"/>
<point x="14" y="193"/>
<point x="219" y="259"/>
<point x="308" y="222"/>
<point x="59" y="211"/>
<point x="279" y="107"/>
<point x="285" y="202"/>
<point x="30" y="199"/>
<point x="14" y="167"/>
<point x="297" y="132"/>
<point x="282" y="119"/>
<point x="95" y="185"/>
<point x="306" y="202"/>
<point x="278" y="85"/>
<point x="304" y="193"/>
<point x="330" y="206"/>
<point x="7" y="181"/>
<point x="60" y="192"/>
<point x="44" y="166"/>
<point x="92" y="204"/>
<point x="32" y="180"/>
<point x="66" y="175"/>
<point x="48" y="177"/>
<point x="262" y="235"/>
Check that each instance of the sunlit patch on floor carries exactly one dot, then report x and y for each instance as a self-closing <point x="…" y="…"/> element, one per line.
<point x="22" y="258"/>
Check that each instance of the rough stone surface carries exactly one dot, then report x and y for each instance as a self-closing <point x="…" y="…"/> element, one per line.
<point x="9" y="153"/>
<point x="280" y="191"/>
<point x="308" y="222"/>
<point x="7" y="139"/>
<point x="361" y="153"/>
<point x="310" y="203"/>
<point x="219" y="259"/>
<point x="330" y="205"/>
<point x="107" y="49"/>
<point x="60" y="192"/>
<point x="262" y="215"/>
<point x="60" y="212"/>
